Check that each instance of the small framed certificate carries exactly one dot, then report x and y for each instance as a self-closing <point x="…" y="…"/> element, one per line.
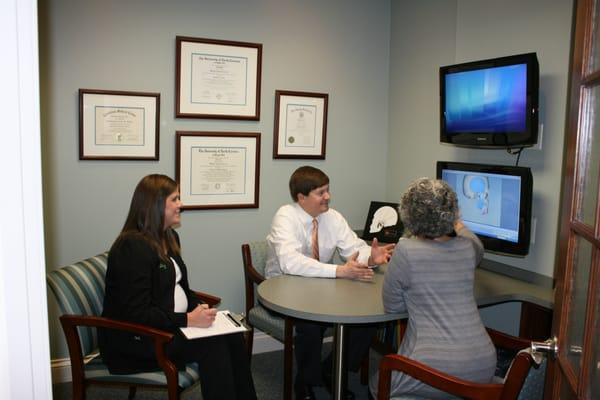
<point x="118" y="125"/>
<point x="217" y="79"/>
<point x="218" y="170"/>
<point x="300" y="125"/>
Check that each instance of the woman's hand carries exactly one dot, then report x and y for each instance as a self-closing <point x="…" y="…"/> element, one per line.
<point x="202" y="316"/>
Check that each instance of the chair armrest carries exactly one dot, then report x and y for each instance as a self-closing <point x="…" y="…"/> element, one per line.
<point x="251" y="277"/>
<point x="432" y="377"/>
<point x="254" y="276"/>
<point x="71" y="322"/>
<point x="506" y="341"/>
<point x="208" y="298"/>
<point x="249" y="271"/>
<point x="516" y="375"/>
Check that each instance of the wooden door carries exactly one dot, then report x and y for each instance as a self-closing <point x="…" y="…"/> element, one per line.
<point x="575" y="374"/>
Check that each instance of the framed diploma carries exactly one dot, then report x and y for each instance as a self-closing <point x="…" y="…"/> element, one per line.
<point x="217" y="79"/>
<point x="383" y="222"/>
<point x="117" y="125"/>
<point x="218" y="170"/>
<point x="300" y="125"/>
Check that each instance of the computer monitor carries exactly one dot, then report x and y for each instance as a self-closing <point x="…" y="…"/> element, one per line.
<point x="494" y="201"/>
<point x="490" y="103"/>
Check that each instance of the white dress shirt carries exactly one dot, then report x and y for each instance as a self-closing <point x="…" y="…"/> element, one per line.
<point x="289" y="243"/>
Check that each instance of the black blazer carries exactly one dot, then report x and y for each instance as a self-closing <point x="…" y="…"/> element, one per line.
<point x="139" y="288"/>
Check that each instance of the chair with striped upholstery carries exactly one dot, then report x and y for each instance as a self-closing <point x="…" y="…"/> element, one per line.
<point x="79" y="291"/>
<point x="254" y="256"/>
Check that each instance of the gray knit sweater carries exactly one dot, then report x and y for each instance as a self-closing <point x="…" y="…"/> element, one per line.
<point x="433" y="282"/>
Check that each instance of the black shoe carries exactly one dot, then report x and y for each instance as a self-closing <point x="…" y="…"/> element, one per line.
<point x="347" y="395"/>
<point x="304" y="392"/>
<point x="327" y="378"/>
<point x="326" y="375"/>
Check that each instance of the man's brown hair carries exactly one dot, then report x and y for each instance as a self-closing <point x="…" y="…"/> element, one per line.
<point x="305" y="179"/>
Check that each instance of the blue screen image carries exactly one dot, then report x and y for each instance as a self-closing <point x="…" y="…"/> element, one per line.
<point x="489" y="203"/>
<point x="487" y="100"/>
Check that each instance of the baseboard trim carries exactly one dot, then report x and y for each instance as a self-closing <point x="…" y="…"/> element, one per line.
<point x="61" y="370"/>
<point x="263" y="343"/>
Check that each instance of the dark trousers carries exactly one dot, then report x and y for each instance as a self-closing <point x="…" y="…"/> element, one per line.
<point x="223" y="363"/>
<point x="307" y="348"/>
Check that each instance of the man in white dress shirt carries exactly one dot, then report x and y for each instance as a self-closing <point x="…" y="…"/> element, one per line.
<point x="303" y="238"/>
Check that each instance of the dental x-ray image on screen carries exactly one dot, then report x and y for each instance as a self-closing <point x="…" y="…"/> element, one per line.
<point x="494" y="202"/>
<point x="481" y="198"/>
<point x="477" y="187"/>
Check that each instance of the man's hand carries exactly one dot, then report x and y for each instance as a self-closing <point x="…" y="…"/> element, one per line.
<point x="354" y="270"/>
<point x="202" y="316"/>
<point x="380" y="254"/>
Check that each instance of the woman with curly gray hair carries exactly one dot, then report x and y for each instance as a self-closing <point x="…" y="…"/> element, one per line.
<point x="430" y="276"/>
<point x="429" y="208"/>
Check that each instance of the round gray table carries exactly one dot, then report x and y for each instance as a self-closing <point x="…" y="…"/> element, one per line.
<point x="343" y="301"/>
<point x="336" y="301"/>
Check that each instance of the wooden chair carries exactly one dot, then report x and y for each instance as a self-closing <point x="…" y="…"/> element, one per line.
<point x="254" y="256"/>
<point x="508" y="389"/>
<point x="79" y="291"/>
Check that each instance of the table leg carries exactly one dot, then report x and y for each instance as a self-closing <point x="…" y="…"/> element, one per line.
<point x="339" y="375"/>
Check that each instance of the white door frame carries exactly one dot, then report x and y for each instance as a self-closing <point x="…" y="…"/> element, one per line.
<point x="24" y="339"/>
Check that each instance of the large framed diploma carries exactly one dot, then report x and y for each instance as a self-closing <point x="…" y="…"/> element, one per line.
<point x="300" y="129"/>
<point x="218" y="170"/>
<point x="217" y="79"/>
<point x="118" y="125"/>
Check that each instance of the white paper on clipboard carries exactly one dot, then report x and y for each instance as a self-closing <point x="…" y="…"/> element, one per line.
<point x="225" y="323"/>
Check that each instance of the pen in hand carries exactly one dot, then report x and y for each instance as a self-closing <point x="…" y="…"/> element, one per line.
<point x="232" y="320"/>
<point x="202" y="316"/>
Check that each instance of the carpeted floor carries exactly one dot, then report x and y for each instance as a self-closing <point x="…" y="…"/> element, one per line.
<point x="267" y="372"/>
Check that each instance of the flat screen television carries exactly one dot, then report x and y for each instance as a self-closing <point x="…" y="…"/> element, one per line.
<point x="495" y="203"/>
<point x="490" y="103"/>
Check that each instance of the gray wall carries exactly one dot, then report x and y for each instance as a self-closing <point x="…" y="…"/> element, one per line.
<point x="338" y="47"/>
<point x="426" y="35"/>
<point x="378" y="60"/>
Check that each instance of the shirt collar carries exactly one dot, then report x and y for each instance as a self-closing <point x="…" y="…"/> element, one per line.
<point x="304" y="216"/>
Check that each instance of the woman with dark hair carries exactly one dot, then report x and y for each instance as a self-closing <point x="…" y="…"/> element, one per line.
<point x="147" y="283"/>
<point x="430" y="276"/>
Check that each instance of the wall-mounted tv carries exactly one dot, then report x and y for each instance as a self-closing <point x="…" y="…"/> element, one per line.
<point x="494" y="201"/>
<point x="490" y="103"/>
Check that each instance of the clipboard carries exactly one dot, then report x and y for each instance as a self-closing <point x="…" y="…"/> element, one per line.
<point x="225" y="324"/>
